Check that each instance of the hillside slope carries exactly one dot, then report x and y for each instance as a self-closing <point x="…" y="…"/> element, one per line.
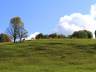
<point x="68" y="55"/>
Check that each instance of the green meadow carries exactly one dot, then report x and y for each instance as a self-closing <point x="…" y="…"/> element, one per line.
<point x="61" y="55"/>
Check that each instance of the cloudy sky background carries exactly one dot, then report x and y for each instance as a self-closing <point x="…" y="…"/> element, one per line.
<point x="78" y="21"/>
<point x="48" y="16"/>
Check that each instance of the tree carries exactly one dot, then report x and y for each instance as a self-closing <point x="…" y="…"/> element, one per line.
<point x="22" y="33"/>
<point x="95" y="33"/>
<point x="53" y="35"/>
<point x="61" y="36"/>
<point x="39" y="36"/>
<point x="89" y="34"/>
<point x="4" y="38"/>
<point x="16" y="29"/>
<point x="82" y="34"/>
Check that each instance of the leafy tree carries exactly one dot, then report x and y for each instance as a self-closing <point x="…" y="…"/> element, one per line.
<point x="53" y="35"/>
<point x="39" y="36"/>
<point x="4" y="38"/>
<point x="16" y="29"/>
<point x="90" y="35"/>
<point x="82" y="34"/>
<point x="60" y="36"/>
<point x="95" y="33"/>
<point x="42" y="36"/>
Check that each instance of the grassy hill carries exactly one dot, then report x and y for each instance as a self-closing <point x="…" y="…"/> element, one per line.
<point x="68" y="55"/>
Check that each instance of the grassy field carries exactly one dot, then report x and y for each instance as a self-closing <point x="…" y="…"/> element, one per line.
<point x="68" y="55"/>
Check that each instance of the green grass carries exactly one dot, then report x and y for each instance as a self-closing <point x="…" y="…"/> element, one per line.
<point x="68" y="55"/>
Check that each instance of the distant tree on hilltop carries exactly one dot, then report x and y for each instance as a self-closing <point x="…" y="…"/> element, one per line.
<point x="95" y="33"/>
<point x="39" y="36"/>
<point x="82" y="34"/>
<point x="55" y="35"/>
<point x="16" y="29"/>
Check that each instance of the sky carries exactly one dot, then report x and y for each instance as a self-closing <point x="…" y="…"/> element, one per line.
<point x="47" y="16"/>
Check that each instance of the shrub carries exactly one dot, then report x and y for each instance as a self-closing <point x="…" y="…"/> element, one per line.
<point x="4" y="38"/>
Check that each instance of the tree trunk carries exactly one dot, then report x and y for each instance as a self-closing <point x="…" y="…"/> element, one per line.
<point x="14" y="40"/>
<point x="20" y="40"/>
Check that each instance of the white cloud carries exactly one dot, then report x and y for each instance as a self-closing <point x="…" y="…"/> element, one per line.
<point x="93" y="10"/>
<point x="32" y="36"/>
<point x="77" y="21"/>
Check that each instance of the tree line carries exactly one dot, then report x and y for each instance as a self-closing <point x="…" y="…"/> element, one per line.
<point x="50" y="36"/>
<point x="17" y="32"/>
<point x="84" y="34"/>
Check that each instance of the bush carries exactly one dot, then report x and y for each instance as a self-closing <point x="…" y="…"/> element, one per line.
<point x="4" y="38"/>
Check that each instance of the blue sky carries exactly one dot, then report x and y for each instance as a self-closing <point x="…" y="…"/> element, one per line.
<point x="40" y="15"/>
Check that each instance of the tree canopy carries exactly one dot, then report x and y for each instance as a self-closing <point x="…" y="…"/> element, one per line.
<point x="82" y="34"/>
<point x="16" y="29"/>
